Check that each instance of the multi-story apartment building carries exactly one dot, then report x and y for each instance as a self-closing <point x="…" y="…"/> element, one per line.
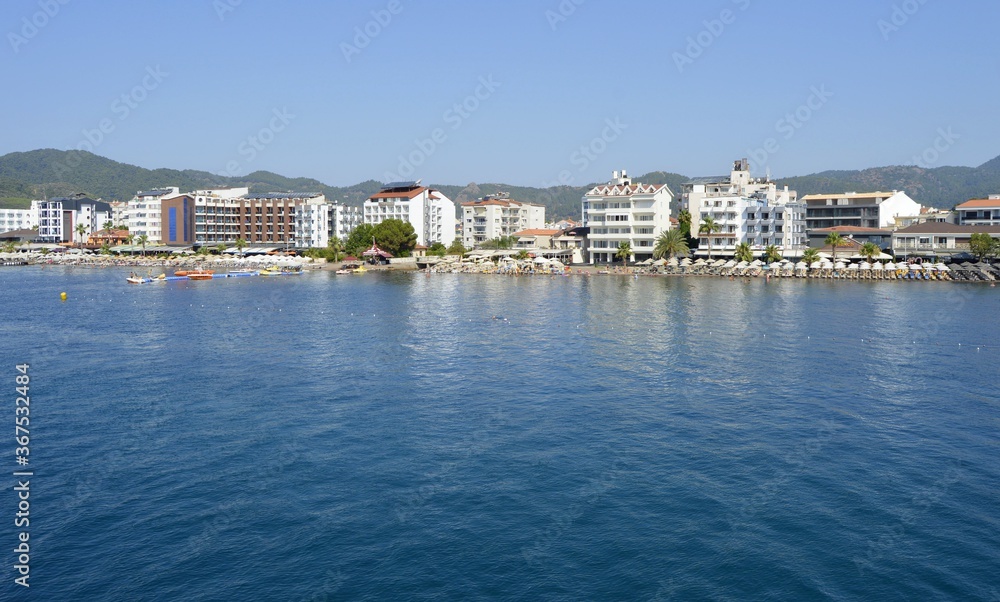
<point x="745" y="210"/>
<point x="59" y="218"/>
<point x="312" y="224"/>
<point x="178" y="219"/>
<point x="935" y="239"/>
<point x="143" y="213"/>
<point x="431" y="214"/>
<point x="980" y="212"/>
<point x="217" y="215"/>
<point x="18" y="219"/>
<point x="623" y="211"/>
<point x="119" y="213"/>
<point x="343" y="219"/>
<point x="864" y="210"/>
<point x="496" y="216"/>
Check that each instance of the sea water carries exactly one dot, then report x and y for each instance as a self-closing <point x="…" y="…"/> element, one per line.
<point x="466" y="437"/>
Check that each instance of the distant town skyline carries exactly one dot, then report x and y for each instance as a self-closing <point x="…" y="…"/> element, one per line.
<point x="523" y="93"/>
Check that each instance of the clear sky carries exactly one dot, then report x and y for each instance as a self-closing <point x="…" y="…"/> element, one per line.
<point x="522" y="92"/>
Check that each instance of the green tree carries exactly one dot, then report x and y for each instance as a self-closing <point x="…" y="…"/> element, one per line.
<point x="684" y="224"/>
<point x="457" y="248"/>
<point x="359" y="240"/>
<point x="9" y="247"/>
<point x="81" y="229"/>
<point x="336" y="249"/>
<point x="105" y="249"/>
<point x="108" y="225"/>
<point x="624" y="251"/>
<point x="241" y="243"/>
<point x="709" y="227"/>
<point x="772" y="254"/>
<point x="395" y="236"/>
<point x="834" y="239"/>
<point x="142" y="241"/>
<point x="438" y="249"/>
<point x="744" y="252"/>
<point x="982" y="245"/>
<point x="522" y="255"/>
<point x="810" y="256"/>
<point x="219" y="248"/>
<point x="130" y="239"/>
<point x="869" y="251"/>
<point x="672" y="243"/>
<point x="501" y="242"/>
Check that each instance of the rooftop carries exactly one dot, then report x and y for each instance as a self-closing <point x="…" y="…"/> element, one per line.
<point x="852" y="230"/>
<point x="980" y="204"/>
<point x="945" y="228"/>
<point x="848" y="195"/>
<point x="537" y="232"/>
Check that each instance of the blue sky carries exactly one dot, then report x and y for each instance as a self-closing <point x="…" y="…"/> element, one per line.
<point x="527" y="93"/>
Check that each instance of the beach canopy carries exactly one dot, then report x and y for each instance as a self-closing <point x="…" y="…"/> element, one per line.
<point x="376" y="252"/>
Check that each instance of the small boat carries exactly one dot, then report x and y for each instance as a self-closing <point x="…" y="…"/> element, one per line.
<point x="138" y="280"/>
<point x="241" y="273"/>
<point x="182" y="273"/>
<point x="360" y="269"/>
<point x="204" y="275"/>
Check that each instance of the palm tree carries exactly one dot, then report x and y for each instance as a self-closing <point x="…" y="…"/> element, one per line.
<point x="684" y="223"/>
<point x="241" y="244"/>
<point x="772" y="254"/>
<point x="624" y="251"/>
<point x="81" y="229"/>
<point x="142" y="241"/>
<point x="869" y="251"/>
<point x="834" y="239"/>
<point x="130" y="239"/>
<point x="108" y="225"/>
<point x="708" y="226"/>
<point x="672" y="243"/>
<point x="810" y="256"/>
<point x="744" y="252"/>
<point x="336" y="246"/>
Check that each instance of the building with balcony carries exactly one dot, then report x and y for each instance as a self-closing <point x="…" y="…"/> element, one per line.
<point x="60" y="218"/>
<point x="745" y="210"/>
<point x="623" y="211"/>
<point x="980" y="212"/>
<point x="536" y="238"/>
<point x="143" y="213"/>
<point x="496" y="216"/>
<point x="864" y="210"/>
<point x="343" y="219"/>
<point x="18" y="219"/>
<point x="177" y="216"/>
<point x="431" y="214"/>
<point x="881" y="238"/>
<point x="935" y="239"/>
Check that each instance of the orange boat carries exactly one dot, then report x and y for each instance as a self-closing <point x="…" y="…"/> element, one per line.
<point x="182" y="273"/>
<point x="201" y="275"/>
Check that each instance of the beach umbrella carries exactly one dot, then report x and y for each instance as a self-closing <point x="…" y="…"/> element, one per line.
<point x="816" y="265"/>
<point x="854" y="267"/>
<point x="672" y="262"/>
<point x="865" y="265"/>
<point x="756" y="263"/>
<point x="942" y="268"/>
<point x="916" y="266"/>
<point x="662" y="262"/>
<point x="877" y="266"/>
<point x="840" y="265"/>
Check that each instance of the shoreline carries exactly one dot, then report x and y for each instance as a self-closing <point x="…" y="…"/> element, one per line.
<point x="955" y="274"/>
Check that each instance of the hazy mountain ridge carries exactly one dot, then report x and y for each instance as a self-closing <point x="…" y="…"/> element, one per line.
<point x="49" y="173"/>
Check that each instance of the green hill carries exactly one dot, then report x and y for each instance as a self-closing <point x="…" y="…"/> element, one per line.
<point x="48" y="172"/>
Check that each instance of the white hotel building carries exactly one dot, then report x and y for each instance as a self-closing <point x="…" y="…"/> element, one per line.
<point x="317" y="222"/>
<point x="496" y="216"/>
<point x="746" y="211"/>
<point x="18" y="219"/>
<point x="621" y="211"/>
<point x="59" y="218"/>
<point x="431" y="214"/>
<point x="144" y="213"/>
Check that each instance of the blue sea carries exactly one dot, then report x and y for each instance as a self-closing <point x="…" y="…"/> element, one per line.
<point x="461" y="437"/>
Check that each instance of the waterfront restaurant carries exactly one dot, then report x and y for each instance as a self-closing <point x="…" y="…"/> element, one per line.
<point x="935" y="239"/>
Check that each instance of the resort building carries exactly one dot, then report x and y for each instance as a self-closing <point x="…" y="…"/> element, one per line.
<point x="937" y="239"/>
<point x="119" y="213"/>
<point x="431" y="214"/>
<point x="880" y="237"/>
<point x="496" y="216"/>
<point x="177" y="214"/>
<point x="574" y="239"/>
<point x="18" y="219"/>
<point x="536" y="238"/>
<point x="143" y="213"/>
<point x="343" y="219"/>
<point x="745" y="210"/>
<point x="865" y="210"/>
<point x="60" y="219"/>
<point x="980" y="212"/>
<point x="623" y="211"/>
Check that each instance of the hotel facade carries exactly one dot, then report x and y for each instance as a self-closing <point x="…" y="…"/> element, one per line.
<point x="623" y="211"/>
<point x="863" y="210"/>
<point x="431" y="214"/>
<point x="497" y="216"/>
<point x="746" y="211"/>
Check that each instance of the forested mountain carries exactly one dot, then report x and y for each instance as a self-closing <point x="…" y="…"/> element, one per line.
<point x="48" y="173"/>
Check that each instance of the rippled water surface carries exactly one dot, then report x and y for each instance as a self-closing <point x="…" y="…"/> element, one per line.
<point x="403" y="436"/>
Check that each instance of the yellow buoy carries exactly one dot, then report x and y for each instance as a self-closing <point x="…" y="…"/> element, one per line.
<point x="62" y="296"/>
